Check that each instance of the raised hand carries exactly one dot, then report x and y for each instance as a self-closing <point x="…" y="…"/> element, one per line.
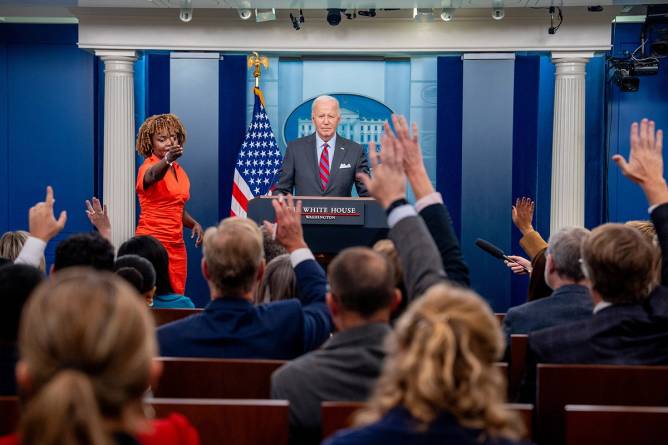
<point x="389" y="181"/>
<point x="522" y="214"/>
<point x="99" y="217"/>
<point x="645" y="164"/>
<point x="288" y="226"/>
<point x="42" y="221"/>
<point x="174" y="153"/>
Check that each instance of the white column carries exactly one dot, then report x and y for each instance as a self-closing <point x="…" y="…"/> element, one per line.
<point x="119" y="136"/>
<point x="568" y="140"/>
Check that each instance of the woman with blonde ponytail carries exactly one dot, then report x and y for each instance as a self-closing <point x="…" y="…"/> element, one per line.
<point x="439" y="384"/>
<point x="86" y="346"/>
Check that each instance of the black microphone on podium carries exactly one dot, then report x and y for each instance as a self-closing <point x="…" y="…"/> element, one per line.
<point x="496" y="252"/>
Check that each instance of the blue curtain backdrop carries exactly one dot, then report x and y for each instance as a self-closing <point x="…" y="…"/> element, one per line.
<point x="48" y="103"/>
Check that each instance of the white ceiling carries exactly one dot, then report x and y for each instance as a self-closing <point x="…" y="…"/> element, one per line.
<point x="315" y="4"/>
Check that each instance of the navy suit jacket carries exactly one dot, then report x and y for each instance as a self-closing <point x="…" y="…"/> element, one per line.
<point x="398" y="427"/>
<point x="231" y="327"/>
<point x="566" y="304"/>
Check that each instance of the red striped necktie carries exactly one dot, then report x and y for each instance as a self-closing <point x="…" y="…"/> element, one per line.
<point x="324" y="167"/>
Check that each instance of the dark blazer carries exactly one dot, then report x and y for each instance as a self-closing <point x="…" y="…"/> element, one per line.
<point x="419" y="257"/>
<point x="438" y="221"/>
<point x="300" y="169"/>
<point x="566" y="304"/>
<point x="398" y="427"/>
<point x="344" y="369"/>
<point x="231" y="327"/>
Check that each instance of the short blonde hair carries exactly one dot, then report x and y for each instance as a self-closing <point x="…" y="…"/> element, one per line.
<point x="87" y="342"/>
<point x="441" y="358"/>
<point x="233" y="253"/>
<point x="11" y="244"/>
<point x="646" y="228"/>
<point x="620" y="263"/>
<point x="156" y="124"/>
<point x="386" y="247"/>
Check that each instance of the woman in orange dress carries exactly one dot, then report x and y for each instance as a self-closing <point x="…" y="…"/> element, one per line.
<point x="163" y="188"/>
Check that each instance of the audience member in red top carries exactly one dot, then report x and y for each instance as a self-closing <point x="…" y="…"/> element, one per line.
<point x="86" y="346"/>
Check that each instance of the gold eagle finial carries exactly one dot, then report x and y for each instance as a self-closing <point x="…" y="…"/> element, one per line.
<point x="255" y="60"/>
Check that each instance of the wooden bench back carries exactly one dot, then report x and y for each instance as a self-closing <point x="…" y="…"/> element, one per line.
<point x="204" y="378"/>
<point x="238" y="422"/>
<point x="561" y="385"/>
<point x="616" y="425"/>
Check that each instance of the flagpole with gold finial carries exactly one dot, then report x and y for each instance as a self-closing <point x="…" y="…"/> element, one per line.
<point x="255" y="60"/>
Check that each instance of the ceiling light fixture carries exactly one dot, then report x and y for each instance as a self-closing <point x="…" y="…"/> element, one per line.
<point x="448" y="14"/>
<point x="186" y="11"/>
<point x="245" y="13"/>
<point x="265" y="15"/>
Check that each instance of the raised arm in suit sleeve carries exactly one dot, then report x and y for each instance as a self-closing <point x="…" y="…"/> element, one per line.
<point x="438" y="221"/>
<point x="418" y="253"/>
<point x="660" y="220"/>
<point x="312" y="287"/>
<point x="286" y="181"/>
<point x="362" y="167"/>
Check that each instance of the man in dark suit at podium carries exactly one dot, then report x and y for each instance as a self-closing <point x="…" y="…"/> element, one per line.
<point x="323" y="163"/>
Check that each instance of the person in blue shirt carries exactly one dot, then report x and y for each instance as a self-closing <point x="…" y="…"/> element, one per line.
<point x="150" y="248"/>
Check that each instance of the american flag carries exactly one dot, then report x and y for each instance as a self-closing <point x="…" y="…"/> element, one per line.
<point x="258" y="162"/>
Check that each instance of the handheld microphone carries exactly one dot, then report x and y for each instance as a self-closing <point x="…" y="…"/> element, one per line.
<point x="496" y="252"/>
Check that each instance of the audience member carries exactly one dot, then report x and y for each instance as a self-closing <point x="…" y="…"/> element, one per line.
<point x="386" y="248"/>
<point x="84" y="249"/>
<point x="534" y="246"/>
<point x="11" y="244"/>
<point x="630" y="320"/>
<point x="231" y="326"/>
<point x="127" y="264"/>
<point x="278" y="281"/>
<point x="86" y="348"/>
<point x="272" y="248"/>
<point x="361" y="298"/>
<point x="439" y="383"/>
<point x="538" y="288"/>
<point x="570" y="300"/>
<point x="646" y="228"/>
<point x="17" y="281"/>
<point x="150" y="248"/>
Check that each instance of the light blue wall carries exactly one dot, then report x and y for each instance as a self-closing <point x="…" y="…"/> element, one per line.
<point x="423" y="107"/>
<point x="194" y="98"/>
<point x="487" y="161"/>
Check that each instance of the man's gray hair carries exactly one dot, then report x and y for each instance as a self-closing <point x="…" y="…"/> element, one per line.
<point x="564" y="246"/>
<point x="322" y="98"/>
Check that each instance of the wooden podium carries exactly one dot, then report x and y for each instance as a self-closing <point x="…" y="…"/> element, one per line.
<point x="331" y="224"/>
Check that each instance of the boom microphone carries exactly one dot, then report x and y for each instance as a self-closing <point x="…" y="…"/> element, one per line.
<point x="495" y="251"/>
